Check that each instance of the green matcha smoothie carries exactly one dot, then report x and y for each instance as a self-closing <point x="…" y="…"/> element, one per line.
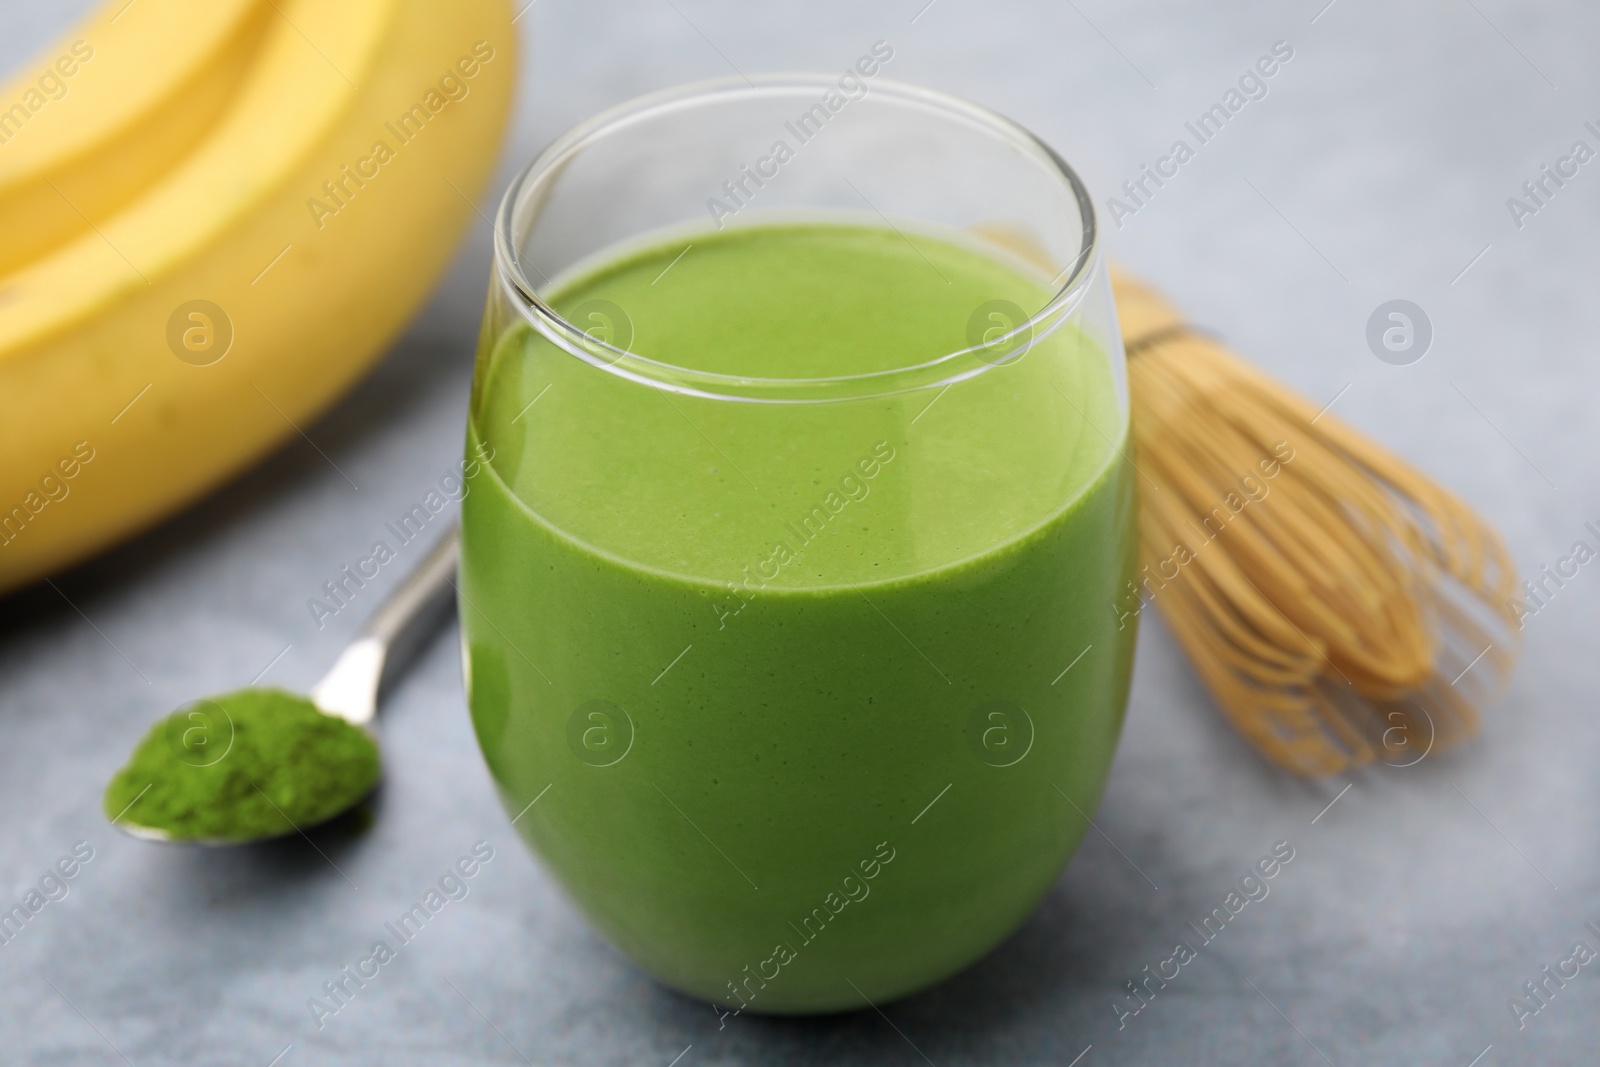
<point x="814" y="697"/>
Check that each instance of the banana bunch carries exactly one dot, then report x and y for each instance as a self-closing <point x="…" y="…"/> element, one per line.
<point x="213" y="217"/>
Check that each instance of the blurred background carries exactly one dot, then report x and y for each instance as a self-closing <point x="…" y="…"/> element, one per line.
<point x="1378" y="166"/>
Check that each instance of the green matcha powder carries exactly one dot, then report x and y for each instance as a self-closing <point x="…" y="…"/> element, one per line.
<point x="248" y="764"/>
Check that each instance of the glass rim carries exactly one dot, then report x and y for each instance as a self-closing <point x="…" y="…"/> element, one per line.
<point x="510" y="263"/>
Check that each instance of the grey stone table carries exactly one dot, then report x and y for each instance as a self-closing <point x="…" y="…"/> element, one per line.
<point x="1377" y="166"/>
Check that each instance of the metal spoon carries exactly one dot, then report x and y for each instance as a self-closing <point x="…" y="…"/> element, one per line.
<point x="388" y="642"/>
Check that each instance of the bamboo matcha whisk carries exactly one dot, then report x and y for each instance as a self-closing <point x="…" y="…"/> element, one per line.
<point x="1344" y="608"/>
<point x="1339" y="605"/>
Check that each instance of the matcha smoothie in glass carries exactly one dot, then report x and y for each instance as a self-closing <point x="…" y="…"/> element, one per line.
<point x="790" y="581"/>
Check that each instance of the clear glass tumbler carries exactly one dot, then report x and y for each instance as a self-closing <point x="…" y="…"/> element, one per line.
<point x="797" y="523"/>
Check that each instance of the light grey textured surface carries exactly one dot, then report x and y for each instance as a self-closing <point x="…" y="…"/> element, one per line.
<point x="1377" y="167"/>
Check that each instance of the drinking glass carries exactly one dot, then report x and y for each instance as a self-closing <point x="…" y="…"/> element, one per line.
<point x="803" y="685"/>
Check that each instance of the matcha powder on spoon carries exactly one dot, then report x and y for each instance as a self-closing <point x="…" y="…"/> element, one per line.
<point x="248" y="764"/>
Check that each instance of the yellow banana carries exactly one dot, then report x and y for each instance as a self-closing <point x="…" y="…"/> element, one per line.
<point x="192" y="330"/>
<point x="108" y="109"/>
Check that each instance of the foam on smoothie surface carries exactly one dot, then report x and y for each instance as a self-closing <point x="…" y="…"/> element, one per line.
<point x="604" y="460"/>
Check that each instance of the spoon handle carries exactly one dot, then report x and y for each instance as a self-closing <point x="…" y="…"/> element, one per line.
<point x="402" y="620"/>
<point x="392" y="635"/>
